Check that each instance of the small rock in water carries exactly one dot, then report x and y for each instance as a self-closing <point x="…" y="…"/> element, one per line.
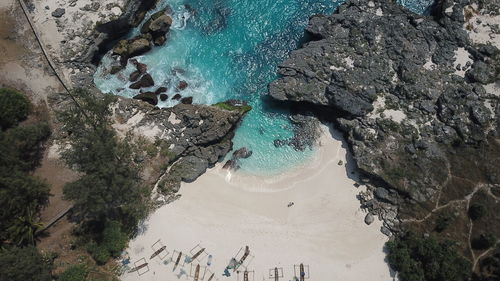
<point x="369" y="218"/>
<point x="145" y="81"/>
<point x="230" y="165"/>
<point x="148" y="97"/>
<point x="160" y="90"/>
<point x="242" y="153"/>
<point x="188" y="100"/>
<point x="182" y="85"/>
<point x="134" y="76"/>
<point x="59" y="12"/>
<point x="176" y="97"/>
<point x="163" y="97"/>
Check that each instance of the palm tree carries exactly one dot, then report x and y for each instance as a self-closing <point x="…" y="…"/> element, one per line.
<point x="23" y="230"/>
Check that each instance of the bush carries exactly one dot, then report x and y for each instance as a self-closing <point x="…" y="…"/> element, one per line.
<point x="484" y="241"/>
<point x="114" y="239"/>
<point x="24" y="264"/>
<point x="74" y="273"/>
<point x="442" y="222"/>
<point x="477" y="211"/>
<point x="425" y="259"/>
<point x="14" y="107"/>
<point x="111" y="243"/>
<point x="99" y="253"/>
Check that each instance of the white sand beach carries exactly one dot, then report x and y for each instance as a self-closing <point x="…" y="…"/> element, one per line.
<point x="224" y="212"/>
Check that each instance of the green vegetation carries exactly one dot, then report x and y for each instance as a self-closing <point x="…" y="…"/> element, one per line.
<point x="477" y="211"/>
<point x="14" y="107"/>
<point x="74" y="273"/>
<point x="417" y="258"/>
<point x="109" y="199"/>
<point x="24" y="264"/>
<point x="21" y="194"/>
<point x="226" y="106"/>
<point x="442" y="222"/>
<point x="484" y="241"/>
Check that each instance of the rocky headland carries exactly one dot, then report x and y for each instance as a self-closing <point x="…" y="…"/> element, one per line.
<point x="418" y="101"/>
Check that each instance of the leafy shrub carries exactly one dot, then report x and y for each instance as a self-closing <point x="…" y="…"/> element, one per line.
<point x="74" y="273"/>
<point x="477" y="211"/>
<point x="114" y="239"/>
<point x="484" y="241"/>
<point x="425" y="259"/>
<point x="24" y="264"/>
<point x="14" y="107"/>
<point x="111" y="243"/>
<point x="98" y="252"/>
<point x="442" y="222"/>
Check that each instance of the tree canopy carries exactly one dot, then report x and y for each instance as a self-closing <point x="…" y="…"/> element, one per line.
<point x="109" y="194"/>
<point x="24" y="264"/>
<point x="417" y="258"/>
<point x="14" y="107"/>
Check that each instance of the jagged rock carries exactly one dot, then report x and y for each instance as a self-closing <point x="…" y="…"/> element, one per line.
<point x="231" y="164"/>
<point x="242" y="153"/>
<point x="59" y="12"/>
<point x="187" y="100"/>
<point x="157" y="25"/>
<point x="403" y="119"/>
<point x="145" y="82"/>
<point x="148" y="97"/>
<point x="176" y="97"/>
<point x="161" y="90"/>
<point x="369" y="219"/>
<point x="482" y="73"/>
<point x="381" y="193"/>
<point x="163" y="97"/>
<point x="134" y="76"/>
<point x="131" y="48"/>
<point x="141" y="67"/>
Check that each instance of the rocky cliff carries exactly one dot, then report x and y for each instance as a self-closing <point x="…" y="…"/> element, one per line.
<point x="417" y="101"/>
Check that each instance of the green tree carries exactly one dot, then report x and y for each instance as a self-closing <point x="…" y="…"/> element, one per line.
<point x="477" y="211"/>
<point x="110" y="188"/>
<point x="24" y="264"/>
<point x="417" y="258"/>
<point x="74" y="273"/>
<point x="22" y="231"/>
<point x="14" y="107"/>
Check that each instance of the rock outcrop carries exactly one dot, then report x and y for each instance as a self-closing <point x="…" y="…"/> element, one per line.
<point x="391" y="75"/>
<point x="409" y="92"/>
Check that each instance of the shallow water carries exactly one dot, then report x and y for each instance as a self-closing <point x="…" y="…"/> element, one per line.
<point x="230" y="49"/>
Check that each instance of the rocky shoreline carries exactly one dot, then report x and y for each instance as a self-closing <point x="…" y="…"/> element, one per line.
<point x="178" y="143"/>
<point x="417" y="100"/>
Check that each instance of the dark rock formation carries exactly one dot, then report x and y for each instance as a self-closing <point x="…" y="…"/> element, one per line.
<point x="163" y="97"/>
<point x="389" y="73"/>
<point x="110" y="32"/>
<point x="187" y="100"/>
<point x="176" y="97"/>
<point x="134" y="76"/>
<point x="148" y="97"/>
<point x="182" y="85"/>
<point x="132" y="47"/>
<point x="59" y="12"/>
<point x="158" y="25"/>
<point x="145" y="81"/>
<point x="242" y="153"/>
<point x="160" y="90"/>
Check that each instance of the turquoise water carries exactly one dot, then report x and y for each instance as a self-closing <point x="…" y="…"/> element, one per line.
<point x="230" y="49"/>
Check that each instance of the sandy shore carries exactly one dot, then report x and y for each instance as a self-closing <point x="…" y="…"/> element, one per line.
<point x="223" y="212"/>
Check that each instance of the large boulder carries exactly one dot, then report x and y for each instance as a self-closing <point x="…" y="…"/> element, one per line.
<point x="133" y="47"/>
<point x="145" y="82"/>
<point x="158" y="25"/>
<point x="148" y="97"/>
